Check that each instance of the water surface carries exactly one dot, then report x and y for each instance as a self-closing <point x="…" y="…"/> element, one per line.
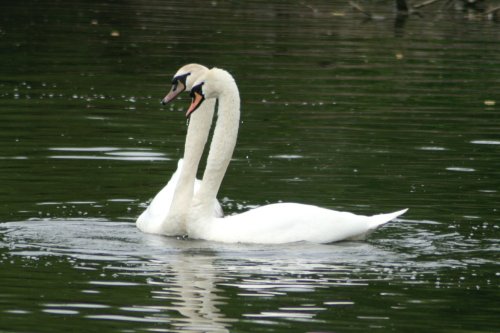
<point x="338" y="111"/>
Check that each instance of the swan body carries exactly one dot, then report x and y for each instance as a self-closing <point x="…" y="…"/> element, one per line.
<point x="152" y="219"/>
<point x="289" y="222"/>
<point x="270" y="224"/>
<point x="167" y="212"/>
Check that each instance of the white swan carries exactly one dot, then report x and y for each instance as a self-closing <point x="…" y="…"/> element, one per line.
<point x="166" y="214"/>
<point x="275" y="223"/>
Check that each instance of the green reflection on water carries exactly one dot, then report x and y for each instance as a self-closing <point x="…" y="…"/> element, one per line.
<point x="336" y="113"/>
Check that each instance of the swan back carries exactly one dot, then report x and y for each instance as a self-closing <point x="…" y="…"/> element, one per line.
<point x="291" y="222"/>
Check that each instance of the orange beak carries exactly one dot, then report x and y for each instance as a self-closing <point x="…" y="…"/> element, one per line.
<point x="196" y="101"/>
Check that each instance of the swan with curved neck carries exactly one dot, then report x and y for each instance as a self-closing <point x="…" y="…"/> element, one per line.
<point x="274" y="223"/>
<point x="167" y="212"/>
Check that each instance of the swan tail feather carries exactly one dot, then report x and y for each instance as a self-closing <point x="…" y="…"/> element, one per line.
<point x="378" y="220"/>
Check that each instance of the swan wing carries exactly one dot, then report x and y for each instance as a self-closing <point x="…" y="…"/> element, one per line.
<point x="151" y="220"/>
<point x="291" y="222"/>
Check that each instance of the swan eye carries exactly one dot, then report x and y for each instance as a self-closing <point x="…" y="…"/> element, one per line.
<point x="178" y="86"/>
<point x="180" y="78"/>
<point x="197" y="89"/>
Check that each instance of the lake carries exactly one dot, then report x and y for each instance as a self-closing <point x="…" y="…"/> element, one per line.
<point x="340" y="110"/>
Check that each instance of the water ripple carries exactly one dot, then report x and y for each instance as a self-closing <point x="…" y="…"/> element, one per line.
<point x="109" y="153"/>
<point x="485" y="142"/>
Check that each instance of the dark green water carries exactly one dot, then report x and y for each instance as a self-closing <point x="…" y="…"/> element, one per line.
<point x="365" y="116"/>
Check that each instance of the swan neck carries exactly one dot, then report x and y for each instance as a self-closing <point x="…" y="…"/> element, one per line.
<point x="222" y="147"/>
<point x="196" y="138"/>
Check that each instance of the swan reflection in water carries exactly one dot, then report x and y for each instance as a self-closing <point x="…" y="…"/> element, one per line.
<point x="188" y="283"/>
<point x="201" y="277"/>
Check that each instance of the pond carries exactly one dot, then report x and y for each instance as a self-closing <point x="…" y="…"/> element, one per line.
<point x="339" y="110"/>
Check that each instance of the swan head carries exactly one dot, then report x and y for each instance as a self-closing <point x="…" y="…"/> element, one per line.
<point x="212" y="84"/>
<point x="183" y="80"/>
